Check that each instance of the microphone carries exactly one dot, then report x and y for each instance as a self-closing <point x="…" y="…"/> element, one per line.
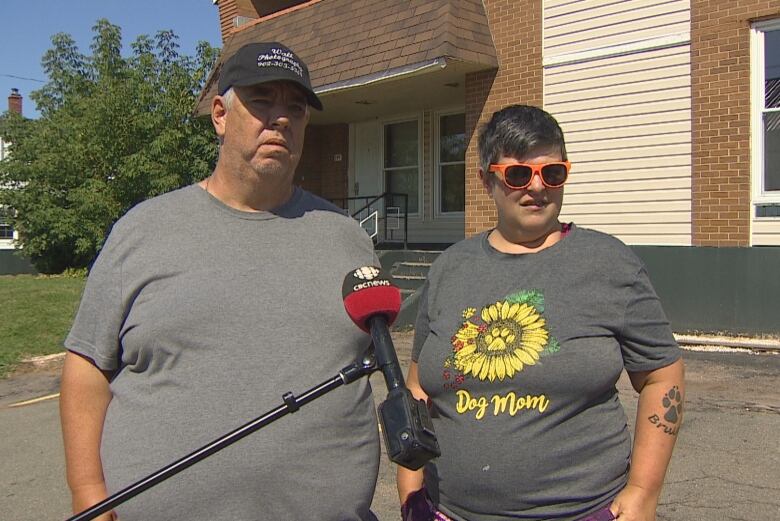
<point x="373" y="302"/>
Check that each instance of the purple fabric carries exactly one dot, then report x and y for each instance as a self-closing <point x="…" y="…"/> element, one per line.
<point x="418" y="507"/>
<point x="605" y="514"/>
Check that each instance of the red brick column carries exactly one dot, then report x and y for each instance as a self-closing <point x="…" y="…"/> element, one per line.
<point x="720" y="81"/>
<point x="15" y="102"/>
<point x="516" y="26"/>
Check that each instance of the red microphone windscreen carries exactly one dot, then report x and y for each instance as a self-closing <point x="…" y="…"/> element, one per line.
<point x="368" y="293"/>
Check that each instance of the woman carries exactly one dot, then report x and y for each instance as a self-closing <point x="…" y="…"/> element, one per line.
<point x="521" y="336"/>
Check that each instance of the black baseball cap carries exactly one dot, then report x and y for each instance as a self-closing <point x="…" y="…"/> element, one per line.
<point x="256" y="63"/>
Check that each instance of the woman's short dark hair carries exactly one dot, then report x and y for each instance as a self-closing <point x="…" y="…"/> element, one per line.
<point x="516" y="131"/>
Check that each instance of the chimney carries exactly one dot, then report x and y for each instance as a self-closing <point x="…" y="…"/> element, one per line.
<point x="15" y="102"/>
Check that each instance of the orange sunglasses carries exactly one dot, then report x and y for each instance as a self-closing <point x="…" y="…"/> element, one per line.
<point x="519" y="175"/>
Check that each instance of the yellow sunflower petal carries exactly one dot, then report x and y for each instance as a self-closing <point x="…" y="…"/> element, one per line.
<point x="537" y="345"/>
<point x="533" y="353"/>
<point x="513" y="310"/>
<point x="504" y="310"/>
<point x="500" y="368"/>
<point x="510" y="339"/>
<point x="485" y="315"/>
<point x="493" y="311"/>
<point x="536" y="324"/>
<point x="525" y="357"/>
<point x="531" y="318"/>
<point x="468" y="331"/>
<point x="485" y="368"/>
<point x="492" y="369"/>
<point x="479" y="360"/>
<point x="467" y="350"/>
<point x="535" y="333"/>
<point x="516" y="362"/>
<point x="510" y="370"/>
<point x="522" y="312"/>
<point x="538" y="336"/>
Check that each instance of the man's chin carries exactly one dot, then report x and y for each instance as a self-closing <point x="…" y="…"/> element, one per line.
<point x="273" y="167"/>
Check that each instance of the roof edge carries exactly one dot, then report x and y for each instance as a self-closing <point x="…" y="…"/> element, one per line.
<point x="387" y="75"/>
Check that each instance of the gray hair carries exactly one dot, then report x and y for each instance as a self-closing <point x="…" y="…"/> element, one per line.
<point x="516" y="131"/>
<point x="227" y="100"/>
<point x="228" y="97"/>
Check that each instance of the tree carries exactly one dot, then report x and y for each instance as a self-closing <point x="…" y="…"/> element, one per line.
<point x="113" y="131"/>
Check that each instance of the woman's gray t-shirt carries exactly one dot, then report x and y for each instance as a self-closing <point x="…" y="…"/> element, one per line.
<point x="520" y="355"/>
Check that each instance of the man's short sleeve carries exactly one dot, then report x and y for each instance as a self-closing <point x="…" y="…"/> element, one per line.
<point x="96" y="329"/>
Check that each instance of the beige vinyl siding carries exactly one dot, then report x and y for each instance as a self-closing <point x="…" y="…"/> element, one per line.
<point x="766" y="232"/>
<point x="571" y="27"/>
<point x="625" y="107"/>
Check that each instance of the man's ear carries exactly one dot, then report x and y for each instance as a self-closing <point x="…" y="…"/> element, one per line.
<point x="218" y="115"/>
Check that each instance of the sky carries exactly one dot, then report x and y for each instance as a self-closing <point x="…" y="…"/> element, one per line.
<point x="28" y="25"/>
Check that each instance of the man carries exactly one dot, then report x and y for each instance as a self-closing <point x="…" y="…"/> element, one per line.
<point x="204" y="307"/>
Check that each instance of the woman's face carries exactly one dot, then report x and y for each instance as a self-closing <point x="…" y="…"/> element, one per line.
<point x="529" y="214"/>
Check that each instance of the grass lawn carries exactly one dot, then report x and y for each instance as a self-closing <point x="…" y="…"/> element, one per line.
<point x="36" y="315"/>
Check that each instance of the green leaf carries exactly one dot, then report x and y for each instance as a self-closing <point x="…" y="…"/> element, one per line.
<point x="552" y="347"/>
<point x="114" y="130"/>
<point x="532" y="297"/>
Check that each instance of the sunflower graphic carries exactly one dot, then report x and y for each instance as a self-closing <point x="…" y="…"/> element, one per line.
<point x="506" y="336"/>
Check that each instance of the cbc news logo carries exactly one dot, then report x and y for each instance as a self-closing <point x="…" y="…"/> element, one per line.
<point x="366" y="273"/>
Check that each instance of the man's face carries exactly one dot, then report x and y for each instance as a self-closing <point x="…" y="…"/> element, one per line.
<point x="264" y="128"/>
<point x="531" y="212"/>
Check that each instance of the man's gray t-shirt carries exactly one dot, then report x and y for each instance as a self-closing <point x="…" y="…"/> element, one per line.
<point x="520" y="355"/>
<point x="210" y="315"/>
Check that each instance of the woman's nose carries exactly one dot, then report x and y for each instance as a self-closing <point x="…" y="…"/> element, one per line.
<point x="536" y="184"/>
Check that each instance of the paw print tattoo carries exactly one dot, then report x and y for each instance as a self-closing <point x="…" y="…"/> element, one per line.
<point x="672" y="402"/>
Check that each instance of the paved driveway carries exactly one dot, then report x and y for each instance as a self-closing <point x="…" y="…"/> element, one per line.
<point x="726" y="465"/>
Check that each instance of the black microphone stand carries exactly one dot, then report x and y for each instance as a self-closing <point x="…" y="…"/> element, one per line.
<point x="349" y="374"/>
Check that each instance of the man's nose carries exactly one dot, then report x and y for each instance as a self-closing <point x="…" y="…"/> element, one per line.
<point x="281" y="119"/>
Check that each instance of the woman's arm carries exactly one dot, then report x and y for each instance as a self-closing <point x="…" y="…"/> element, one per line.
<point x="409" y="481"/>
<point x="658" y="420"/>
<point x="84" y="399"/>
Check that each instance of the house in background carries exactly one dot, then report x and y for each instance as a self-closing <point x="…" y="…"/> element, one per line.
<point x="7" y="233"/>
<point x="392" y="76"/>
<point x="671" y="111"/>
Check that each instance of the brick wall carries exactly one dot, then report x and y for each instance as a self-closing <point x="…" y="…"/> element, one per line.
<point x="228" y="10"/>
<point x="720" y="81"/>
<point x="318" y="171"/>
<point x="516" y="26"/>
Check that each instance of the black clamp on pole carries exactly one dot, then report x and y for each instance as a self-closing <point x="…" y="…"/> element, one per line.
<point x="291" y="402"/>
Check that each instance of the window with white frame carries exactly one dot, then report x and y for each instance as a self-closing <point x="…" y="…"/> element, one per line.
<point x="6" y="230"/>
<point x="451" y="163"/>
<point x="766" y="114"/>
<point x="402" y="163"/>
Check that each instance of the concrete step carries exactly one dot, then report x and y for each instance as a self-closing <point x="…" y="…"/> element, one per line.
<point x="408" y="270"/>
